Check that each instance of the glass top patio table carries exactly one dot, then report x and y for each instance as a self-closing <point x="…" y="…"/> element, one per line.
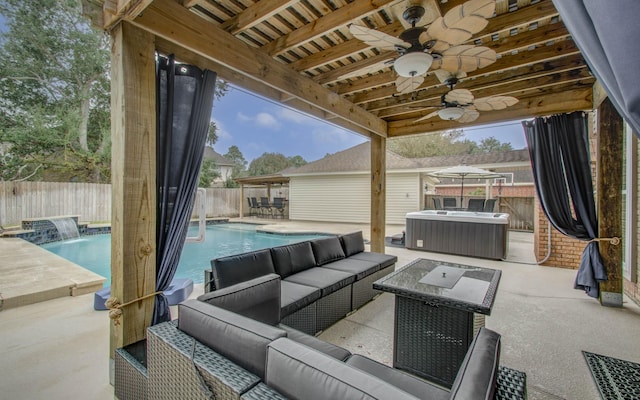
<point x="464" y="287"/>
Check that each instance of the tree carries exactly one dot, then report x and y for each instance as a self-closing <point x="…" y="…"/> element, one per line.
<point x="271" y="163"/>
<point x="493" y="145"/>
<point x="239" y="163"/>
<point x="208" y="172"/>
<point x="447" y="143"/>
<point x="54" y="116"/>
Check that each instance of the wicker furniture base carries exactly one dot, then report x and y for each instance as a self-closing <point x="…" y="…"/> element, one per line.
<point x="431" y="342"/>
<point x="177" y="372"/>
<point x="303" y="320"/>
<point x="511" y="384"/>
<point x="131" y="376"/>
<point x="333" y="307"/>
<point x="262" y="392"/>
<point x="363" y="291"/>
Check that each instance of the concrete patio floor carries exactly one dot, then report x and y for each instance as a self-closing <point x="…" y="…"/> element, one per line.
<point x="58" y="349"/>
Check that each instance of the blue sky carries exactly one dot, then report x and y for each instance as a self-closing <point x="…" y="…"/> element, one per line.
<point x="260" y="126"/>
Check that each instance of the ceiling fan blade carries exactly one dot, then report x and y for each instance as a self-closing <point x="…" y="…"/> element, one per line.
<point x="492" y="103"/>
<point x="459" y="96"/>
<point x="469" y="115"/>
<point x="467" y="58"/>
<point x="444" y="75"/>
<point x="461" y="22"/>
<point x="433" y="114"/>
<point x="406" y="85"/>
<point x="368" y="70"/>
<point x="376" y="38"/>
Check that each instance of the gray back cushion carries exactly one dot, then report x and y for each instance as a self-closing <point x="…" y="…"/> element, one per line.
<point x="352" y="243"/>
<point x="292" y="258"/>
<point x="242" y="340"/>
<point x="300" y="372"/>
<point x="257" y="298"/>
<point x="230" y="270"/>
<point x="327" y="250"/>
<point x="477" y="376"/>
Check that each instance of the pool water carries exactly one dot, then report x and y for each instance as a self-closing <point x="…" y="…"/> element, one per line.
<point x="94" y="252"/>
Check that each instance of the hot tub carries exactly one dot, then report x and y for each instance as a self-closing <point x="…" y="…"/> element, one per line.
<point x="466" y="233"/>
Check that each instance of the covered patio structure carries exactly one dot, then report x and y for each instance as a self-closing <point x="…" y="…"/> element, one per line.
<point x="303" y="55"/>
<point x="263" y="180"/>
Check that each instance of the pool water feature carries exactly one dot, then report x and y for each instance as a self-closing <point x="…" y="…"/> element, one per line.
<point x="94" y="252"/>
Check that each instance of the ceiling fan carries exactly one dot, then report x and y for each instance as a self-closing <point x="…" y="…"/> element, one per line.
<point x="437" y="46"/>
<point x="461" y="106"/>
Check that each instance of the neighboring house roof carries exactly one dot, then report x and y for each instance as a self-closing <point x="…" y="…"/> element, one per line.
<point x="354" y="159"/>
<point x="209" y="152"/>
<point x="358" y="159"/>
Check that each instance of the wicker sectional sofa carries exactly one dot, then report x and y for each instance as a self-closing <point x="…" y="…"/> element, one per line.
<point x="213" y="352"/>
<point x="322" y="280"/>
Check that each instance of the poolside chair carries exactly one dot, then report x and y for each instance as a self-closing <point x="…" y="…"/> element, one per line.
<point x="265" y="206"/>
<point x="475" y="205"/>
<point x="449" y="202"/>
<point x="253" y="209"/>
<point x="489" y="205"/>
<point x="256" y="206"/>
<point x="278" y="205"/>
<point x="437" y="205"/>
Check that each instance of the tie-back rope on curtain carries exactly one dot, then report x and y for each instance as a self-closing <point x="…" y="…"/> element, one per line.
<point x="184" y="101"/>
<point x="560" y="161"/>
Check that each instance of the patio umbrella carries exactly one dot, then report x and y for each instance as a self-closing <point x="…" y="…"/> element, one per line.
<point x="464" y="171"/>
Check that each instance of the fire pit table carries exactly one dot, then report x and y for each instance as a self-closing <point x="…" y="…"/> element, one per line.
<point x="439" y="307"/>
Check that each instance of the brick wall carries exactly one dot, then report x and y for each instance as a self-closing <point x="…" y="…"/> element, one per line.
<point x="565" y="251"/>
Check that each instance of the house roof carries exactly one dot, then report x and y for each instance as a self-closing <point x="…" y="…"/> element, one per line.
<point x="354" y="159"/>
<point x="358" y="159"/>
<point x="210" y="153"/>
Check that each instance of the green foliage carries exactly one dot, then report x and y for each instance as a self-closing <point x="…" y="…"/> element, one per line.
<point x="447" y="143"/>
<point x="239" y="163"/>
<point x="208" y="172"/>
<point x="212" y="134"/>
<point x="271" y="163"/>
<point x="54" y="91"/>
<point x="230" y="183"/>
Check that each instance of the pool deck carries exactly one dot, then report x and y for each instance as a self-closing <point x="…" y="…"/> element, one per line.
<point x="31" y="274"/>
<point x="58" y="349"/>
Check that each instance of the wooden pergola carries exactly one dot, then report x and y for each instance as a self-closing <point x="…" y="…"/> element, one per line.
<point x="262" y="180"/>
<point x="295" y="52"/>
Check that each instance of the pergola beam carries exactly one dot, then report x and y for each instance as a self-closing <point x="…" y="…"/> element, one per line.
<point x="172" y="22"/>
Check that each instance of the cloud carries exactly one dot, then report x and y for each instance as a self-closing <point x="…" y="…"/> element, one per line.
<point x="267" y="120"/>
<point x="223" y="133"/>
<point x="262" y="119"/>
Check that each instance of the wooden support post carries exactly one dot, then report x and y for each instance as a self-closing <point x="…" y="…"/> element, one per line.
<point x="133" y="179"/>
<point x="378" y="192"/>
<point x="609" y="199"/>
<point x="242" y="201"/>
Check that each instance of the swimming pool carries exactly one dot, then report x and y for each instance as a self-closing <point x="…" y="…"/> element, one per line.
<point x="94" y="252"/>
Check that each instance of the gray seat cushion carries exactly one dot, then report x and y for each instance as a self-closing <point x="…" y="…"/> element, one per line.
<point x="300" y="372"/>
<point x="359" y="268"/>
<point x="230" y="270"/>
<point x="240" y="339"/>
<point x="476" y="378"/>
<point x="352" y="243"/>
<point x="326" y="279"/>
<point x="257" y="298"/>
<point x="294" y="297"/>
<point x="384" y="260"/>
<point x="406" y="382"/>
<point x="292" y="258"/>
<point x="327" y="348"/>
<point x="327" y="250"/>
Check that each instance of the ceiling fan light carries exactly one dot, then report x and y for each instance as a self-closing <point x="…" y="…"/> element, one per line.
<point x="451" y="113"/>
<point x="412" y="64"/>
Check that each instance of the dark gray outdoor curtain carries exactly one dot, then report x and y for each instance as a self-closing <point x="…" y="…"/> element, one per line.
<point x="184" y="101"/>
<point x="559" y="152"/>
<point x="607" y="34"/>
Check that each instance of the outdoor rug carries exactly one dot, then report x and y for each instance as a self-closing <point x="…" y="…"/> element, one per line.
<point x="616" y="379"/>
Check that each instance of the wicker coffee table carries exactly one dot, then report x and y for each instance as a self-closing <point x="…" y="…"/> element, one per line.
<point x="439" y="308"/>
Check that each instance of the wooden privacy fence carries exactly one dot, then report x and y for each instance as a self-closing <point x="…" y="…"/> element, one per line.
<point x="520" y="209"/>
<point x="92" y="201"/>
